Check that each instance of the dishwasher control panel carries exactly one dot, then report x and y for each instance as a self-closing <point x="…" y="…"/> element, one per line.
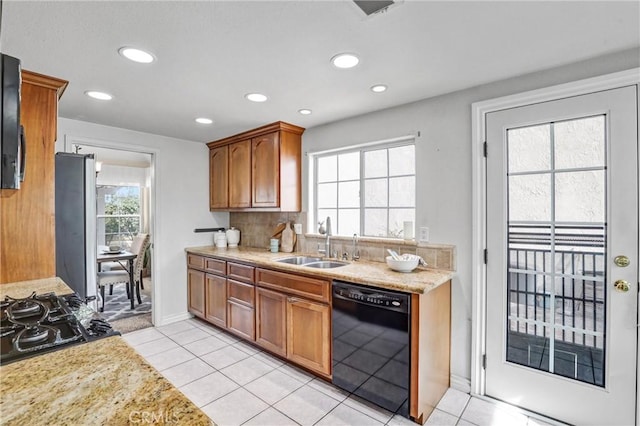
<point x="370" y="296"/>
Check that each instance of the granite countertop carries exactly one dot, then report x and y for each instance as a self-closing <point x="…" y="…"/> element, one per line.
<point x="101" y="382"/>
<point x="24" y="289"/>
<point x="377" y="274"/>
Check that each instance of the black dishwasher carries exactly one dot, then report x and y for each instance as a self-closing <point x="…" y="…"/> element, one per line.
<point x="371" y="356"/>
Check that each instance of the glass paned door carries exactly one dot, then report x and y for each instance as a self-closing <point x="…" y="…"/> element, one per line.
<point x="562" y="203"/>
<point x="556" y="233"/>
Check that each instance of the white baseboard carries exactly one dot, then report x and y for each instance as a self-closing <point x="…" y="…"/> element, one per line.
<point x="173" y="318"/>
<point x="460" y="383"/>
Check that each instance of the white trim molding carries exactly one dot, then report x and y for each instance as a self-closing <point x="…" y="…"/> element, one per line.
<point x="479" y="110"/>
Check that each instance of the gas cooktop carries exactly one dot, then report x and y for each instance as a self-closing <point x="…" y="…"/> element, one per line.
<point x="46" y="322"/>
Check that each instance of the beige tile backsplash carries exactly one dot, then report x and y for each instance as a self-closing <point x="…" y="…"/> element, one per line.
<point x="256" y="229"/>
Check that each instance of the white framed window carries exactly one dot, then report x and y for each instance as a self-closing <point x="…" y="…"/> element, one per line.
<point x="368" y="190"/>
<point x="119" y="214"/>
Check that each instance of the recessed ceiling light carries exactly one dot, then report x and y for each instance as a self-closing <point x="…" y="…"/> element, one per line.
<point x="304" y="111"/>
<point x="98" y="95"/>
<point x="256" y="97"/>
<point x="203" y="120"/>
<point x="136" y="55"/>
<point x="378" y="88"/>
<point x="345" y="60"/>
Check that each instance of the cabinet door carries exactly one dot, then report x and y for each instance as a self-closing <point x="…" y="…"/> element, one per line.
<point x="271" y="321"/>
<point x="27" y="216"/>
<point x="195" y="292"/>
<point x="265" y="154"/>
<point x="309" y="334"/>
<point x="218" y="178"/>
<point x="241" y="319"/>
<point x="216" y="300"/>
<point x="240" y="174"/>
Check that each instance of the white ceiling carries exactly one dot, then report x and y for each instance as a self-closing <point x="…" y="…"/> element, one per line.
<point x="211" y="53"/>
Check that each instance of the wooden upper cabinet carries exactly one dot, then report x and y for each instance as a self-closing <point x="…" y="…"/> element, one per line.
<point x="265" y="180"/>
<point x="219" y="178"/>
<point x="240" y="174"/>
<point x="27" y="215"/>
<point x="263" y="170"/>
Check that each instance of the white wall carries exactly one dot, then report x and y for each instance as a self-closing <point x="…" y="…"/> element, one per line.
<point x="181" y="203"/>
<point x="443" y="172"/>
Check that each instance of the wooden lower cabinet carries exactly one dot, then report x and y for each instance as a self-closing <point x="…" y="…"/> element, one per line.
<point x="241" y="320"/>
<point x="271" y="321"/>
<point x="216" y="300"/>
<point x="196" y="292"/>
<point x="309" y="334"/>
<point x="294" y="328"/>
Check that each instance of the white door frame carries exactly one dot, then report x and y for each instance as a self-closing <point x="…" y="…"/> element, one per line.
<point x="479" y="243"/>
<point x="70" y="141"/>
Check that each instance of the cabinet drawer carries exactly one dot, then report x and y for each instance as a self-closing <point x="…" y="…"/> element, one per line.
<point x="310" y="288"/>
<point x="240" y="272"/>
<point x="195" y="261"/>
<point x="215" y="266"/>
<point x="240" y="292"/>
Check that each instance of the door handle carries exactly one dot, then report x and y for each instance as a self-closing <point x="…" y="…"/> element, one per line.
<point x="621" y="285"/>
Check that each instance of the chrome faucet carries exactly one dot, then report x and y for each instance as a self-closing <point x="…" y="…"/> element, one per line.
<point x="327" y="242"/>
<point x="355" y="254"/>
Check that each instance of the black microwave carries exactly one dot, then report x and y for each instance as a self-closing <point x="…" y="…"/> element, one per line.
<point x="12" y="137"/>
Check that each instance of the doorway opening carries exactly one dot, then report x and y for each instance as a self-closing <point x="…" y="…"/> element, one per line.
<point x="124" y="223"/>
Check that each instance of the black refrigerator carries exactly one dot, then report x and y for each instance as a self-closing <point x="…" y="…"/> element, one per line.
<point x="75" y="199"/>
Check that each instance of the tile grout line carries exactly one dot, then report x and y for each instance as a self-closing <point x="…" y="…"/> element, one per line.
<point x="280" y="368"/>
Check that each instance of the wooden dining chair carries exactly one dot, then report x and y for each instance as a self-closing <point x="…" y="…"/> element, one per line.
<point x="113" y="277"/>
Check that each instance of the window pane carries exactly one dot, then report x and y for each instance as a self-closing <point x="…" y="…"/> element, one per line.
<point x="402" y="191"/>
<point x="402" y="160"/>
<point x="349" y="194"/>
<point x="322" y="217"/>
<point x="327" y="195"/>
<point x="375" y="193"/>
<point x="397" y="217"/>
<point x="387" y="182"/>
<point x="529" y="148"/>
<point x="375" y="222"/>
<point x="349" y="166"/>
<point x="580" y="196"/>
<point x="328" y="169"/>
<point x="579" y="143"/>
<point x="375" y="163"/>
<point x="118" y="202"/>
<point x="118" y="230"/>
<point x="348" y="221"/>
<point x="530" y="197"/>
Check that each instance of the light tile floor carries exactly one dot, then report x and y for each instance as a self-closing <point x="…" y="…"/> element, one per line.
<point x="235" y="383"/>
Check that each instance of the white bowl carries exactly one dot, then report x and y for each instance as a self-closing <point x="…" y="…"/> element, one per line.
<point x="406" y="264"/>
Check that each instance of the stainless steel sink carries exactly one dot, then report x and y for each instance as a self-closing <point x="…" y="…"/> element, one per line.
<point x="312" y="262"/>
<point x="325" y="264"/>
<point x="299" y="260"/>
